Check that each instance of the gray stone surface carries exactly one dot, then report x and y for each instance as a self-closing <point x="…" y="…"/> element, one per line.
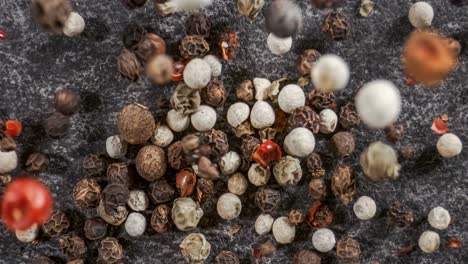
<point x="34" y="64"/>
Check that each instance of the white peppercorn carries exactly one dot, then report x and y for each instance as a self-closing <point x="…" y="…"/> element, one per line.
<point x="263" y="224"/>
<point x="287" y="171"/>
<point x="229" y="163"/>
<point x="197" y="74"/>
<point x="215" y="65"/>
<point x="195" y="248"/>
<point x="330" y="73"/>
<point x="229" y="206"/>
<point x="323" y="240"/>
<point x="328" y="121"/>
<point x="116" y="147"/>
<point x="279" y="46"/>
<point x="439" y="218"/>
<point x="449" y="145"/>
<point x="28" y="235"/>
<point x="300" y="142"/>
<point x="262" y="115"/>
<point x="238" y="113"/>
<point x="162" y="136"/>
<point x="237" y="184"/>
<point x="135" y="225"/>
<point x="429" y="241"/>
<point x="261" y="85"/>
<point x="421" y="14"/>
<point x="186" y="213"/>
<point x="290" y="98"/>
<point x="177" y="121"/>
<point x="365" y="208"/>
<point x="204" y="118"/>
<point x="258" y="175"/>
<point x="283" y="231"/>
<point x="74" y="25"/>
<point x="138" y="200"/>
<point x="8" y="161"/>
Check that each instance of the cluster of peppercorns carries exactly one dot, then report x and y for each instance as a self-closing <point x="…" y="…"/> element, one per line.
<point x="67" y="103"/>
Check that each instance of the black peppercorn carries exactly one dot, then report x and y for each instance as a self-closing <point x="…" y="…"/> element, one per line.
<point x="7" y="144"/>
<point x="314" y="165"/>
<point x="349" y="118"/>
<point x="227" y="257"/>
<point x="205" y="189"/>
<point x="72" y="246"/>
<point x="249" y="145"/>
<point x="37" y="162"/>
<point x="343" y="143"/>
<point x="343" y="184"/>
<point x="267" y="199"/>
<point x="67" y="101"/>
<point x="219" y="143"/>
<point x="320" y="101"/>
<point x="394" y="132"/>
<point x="86" y="193"/>
<point x="336" y="25"/>
<point x="317" y="189"/>
<point x="296" y="217"/>
<point x="214" y="93"/>
<point x="193" y="46"/>
<point x="51" y="15"/>
<point x="306" y="60"/>
<point x="176" y="156"/>
<point x="160" y="191"/>
<point x="113" y="196"/>
<point x="132" y="4"/>
<point x="304" y="256"/>
<point x="110" y="251"/>
<point x="161" y="220"/>
<point x="118" y="173"/>
<point x="199" y="24"/>
<point x="348" y="250"/>
<point x="400" y="215"/>
<point x="95" y="228"/>
<point x="132" y="35"/>
<point x="128" y="65"/>
<point x="304" y="117"/>
<point x="57" y="224"/>
<point x="93" y="165"/>
<point x="57" y="125"/>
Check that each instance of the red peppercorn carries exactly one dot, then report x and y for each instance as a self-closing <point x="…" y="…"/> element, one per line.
<point x="13" y="128"/>
<point x="268" y="152"/>
<point x="3" y="35"/>
<point x="186" y="181"/>
<point x="439" y="126"/>
<point x="178" y="73"/>
<point x="26" y="202"/>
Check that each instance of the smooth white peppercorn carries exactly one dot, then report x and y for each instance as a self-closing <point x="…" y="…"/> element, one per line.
<point x="421" y="15"/>
<point x="290" y="98"/>
<point x="195" y="248"/>
<point x="177" y="121"/>
<point x="258" y="175"/>
<point x="278" y="46"/>
<point x="197" y="74"/>
<point x="116" y="147"/>
<point x="238" y="113"/>
<point x="74" y="25"/>
<point x="283" y="231"/>
<point x="365" y="208"/>
<point x="215" y="65"/>
<point x="439" y="218"/>
<point x="323" y="240"/>
<point x="8" y="161"/>
<point x="28" y="235"/>
<point x="262" y="115"/>
<point x="204" y="118"/>
<point x="261" y="85"/>
<point x="186" y="213"/>
<point x="229" y="163"/>
<point x="138" y="200"/>
<point x="237" y="184"/>
<point x="287" y="171"/>
<point x="429" y="241"/>
<point x="229" y="206"/>
<point x="162" y="136"/>
<point x="135" y="225"/>
<point x="300" y="142"/>
<point x="449" y="145"/>
<point x="330" y="73"/>
<point x="328" y="121"/>
<point x="263" y="224"/>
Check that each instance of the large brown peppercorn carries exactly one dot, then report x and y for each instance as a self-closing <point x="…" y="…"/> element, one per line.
<point x="296" y="217"/>
<point x="110" y="251"/>
<point x="159" y="69"/>
<point x="305" y="256"/>
<point x="67" y="101"/>
<point x="151" y="162"/>
<point x="95" y="228"/>
<point x="129" y="66"/>
<point x="317" y="189"/>
<point x="132" y="35"/>
<point x="394" y="132"/>
<point x="51" y="15"/>
<point x="314" y="165"/>
<point x="136" y="124"/>
<point x="349" y="118"/>
<point x="93" y="165"/>
<point x="185" y="99"/>
<point x="343" y="144"/>
<point x="160" y="191"/>
<point x="57" y="125"/>
<point x="245" y="91"/>
<point x="336" y="26"/>
<point x="320" y="101"/>
<point x="86" y="193"/>
<point x="186" y="180"/>
<point x="348" y="250"/>
<point x="344" y="184"/>
<point x="150" y="46"/>
<point x="72" y="246"/>
<point x="113" y="196"/>
<point x="306" y="61"/>
<point x="219" y="143"/>
<point x="194" y="46"/>
<point x="176" y="156"/>
<point x="227" y="257"/>
<point x="57" y="224"/>
<point x="249" y="145"/>
<point x="214" y="93"/>
<point x="400" y="215"/>
<point x="304" y="117"/>
<point x="118" y="173"/>
<point x="161" y="218"/>
<point x="199" y="24"/>
<point x="267" y="199"/>
<point x="37" y="162"/>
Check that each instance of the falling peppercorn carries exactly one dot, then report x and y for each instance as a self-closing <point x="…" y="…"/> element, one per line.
<point x="194" y="46"/>
<point x="150" y="46"/>
<point x="199" y="24"/>
<point x="37" y="162"/>
<point x="67" y="101"/>
<point x="57" y="125"/>
<point x="306" y="61"/>
<point x="394" y="132"/>
<point x="51" y="15"/>
<point x="336" y="25"/>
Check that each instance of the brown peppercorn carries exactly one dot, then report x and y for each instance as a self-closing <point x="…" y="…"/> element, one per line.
<point x="160" y="191"/>
<point x="244" y="129"/>
<point x="186" y="181"/>
<point x="150" y="46"/>
<point x="349" y="118"/>
<point x="214" y="93"/>
<point x="93" y="165"/>
<point x="185" y="99"/>
<point x="129" y="66"/>
<point x="43" y="260"/>
<point x="110" y="251"/>
<point x="7" y="144"/>
<point x="118" y="173"/>
<point x="343" y="144"/>
<point x="305" y="256"/>
<point x="192" y="148"/>
<point x="51" y="15"/>
<point x="95" y="228"/>
<point x="219" y="143"/>
<point x="229" y="44"/>
<point x="67" y="101"/>
<point x="86" y="193"/>
<point x="267" y="134"/>
<point x="306" y="61"/>
<point x="115" y="217"/>
<point x="314" y="165"/>
<point x="320" y="101"/>
<point x="57" y="224"/>
<point x="161" y="218"/>
<point x="199" y="24"/>
<point x="194" y="46"/>
<point x="348" y="250"/>
<point x="57" y="125"/>
<point x="267" y="249"/>
<point x="151" y="162"/>
<point x="136" y="123"/>
<point x="304" y="117"/>
<point x="317" y="189"/>
<point x="37" y="162"/>
<point x="336" y="25"/>
<point x="319" y="215"/>
<point x="322" y="4"/>
<point x="245" y="91"/>
<point x="343" y="184"/>
<point x="72" y="246"/>
<point x="159" y="69"/>
<point x="400" y="215"/>
<point x="267" y="199"/>
<point x="176" y="156"/>
<point x="205" y="189"/>
<point x="296" y="217"/>
<point x="227" y="257"/>
<point x="207" y="170"/>
<point x="113" y="196"/>
<point x="394" y="132"/>
<point x="249" y="145"/>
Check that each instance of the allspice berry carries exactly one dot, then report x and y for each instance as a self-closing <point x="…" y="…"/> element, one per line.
<point x="348" y="250"/>
<point x="343" y="143"/>
<point x="72" y="246"/>
<point x="128" y="65"/>
<point x="118" y="173"/>
<point x="57" y="125"/>
<point x="267" y="199"/>
<point x="67" y="101"/>
<point x="51" y="15"/>
<point x="150" y="46"/>
<point x="336" y="26"/>
<point x="57" y="224"/>
<point x="161" y="220"/>
<point x="37" y="162"/>
<point x="93" y="165"/>
<point x="227" y="257"/>
<point x="160" y="191"/>
<point x="306" y="61"/>
<point x="159" y="69"/>
<point x="110" y="251"/>
<point x="199" y="24"/>
<point x="136" y="124"/>
<point x="86" y="193"/>
<point x="400" y="215"/>
<point x="214" y="93"/>
<point x="305" y="256"/>
<point x="95" y="228"/>
<point x="194" y="46"/>
<point x="245" y="91"/>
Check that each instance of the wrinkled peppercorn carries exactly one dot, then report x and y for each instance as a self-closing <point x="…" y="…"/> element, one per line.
<point x="304" y="117"/>
<point x="228" y="43"/>
<point x="37" y="162"/>
<point x="317" y="189"/>
<point x="113" y="196"/>
<point x="219" y="143"/>
<point x="176" y="156"/>
<point x="319" y="215"/>
<point x="244" y="129"/>
<point x="249" y="145"/>
<point x="400" y="215"/>
<point x="93" y="165"/>
<point x="110" y="251"/>
<point x="205" y="189"/>
<point x="394" y="132"/>
<point x="336" y="25"/>
<point x="150" y="46"/>
<point x="132" y="4"/>
<point x="72" y="246"/>
<point x="245" y="91"/>
<point x="320" y="101"/>
<point x="304" y="256"/>
<point x="160" y="191"/>
<point x="227" y="257"/>
<point x="118" y="173"/>
<point x="344" y="184"/>
<point x="214" y="93"/>
<point x="194" y="46"/>
<point x="132" y="35"/>
<point x="57" y="224"/>
<point x="186" y="181"/>
<point x="343" y="144"/>
<point x="199" y="24"/>
<point x="306" y="61"/>
<point x="57" y="125"/>
<point x="86" y="193"/>
<point x="185" y="99"/>
<point x="161" y="218"/>
<point x="267" y="199"/>
<point x="349" y="118"/>
<point x="128" y="65"/>
<point x="51" y="15"/>
<point x="296" y="217"/>
<point x="95" y="228"/>
<point x="348" y="250"/>
<point x="67" y="101"/>
<point x="314" y="165"/>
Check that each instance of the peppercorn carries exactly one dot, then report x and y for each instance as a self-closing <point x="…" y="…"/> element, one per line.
<point x="408" y="152"/>
<point x="176" y="157"/>
<point x="244" y="129"/>
<point x="7" y="144"/>
<point x="207" y="170"/>
<point x="37" y="162"/>
<point x="296" y="217"/>
<point x="95" y="228"/>
<point x="421" y="15"/>
<point x="159" y="69"/>
<point x="138" y="200"/>
<point x="128" y="65"/>
<point x="163" y="136"/>
<point x="305" y="256"/>
<point x="348" y="250"/>
<point x="219" y="143"/>
<point x="229" y="44"/>
<point x="113" y="196"/>
<point x="195" y="248"/>
<point x="214" y="93"/>
<point x="439" y="218"/>
<point x="185" y="99"/>
<point x="300" y="142"/>
<point x="394" y="132"/>
<point x="151" y="162"/>
<point x="317" y="189"/>
<point x="322" y="4"/>
<point x="344" y="184"/>
<point x="57" y="224"/>
<point x="76" y="261"/>
<point x="365" y="208"/>
<point x="199" y="24"/>
<point x="110" y="251"/>
<point x="336" y="25"/>
<point x="215" y="65"/>
<point x="186" y="214"/>
<point x="57" y="125"/>
<point x="245" y="90"/>
<point x="150" y="46"/>
<point x="51" y="15"/>
<point x="72" y="246"/>
<point x="287" y="171"/>
<point x="319" y="215"/>
<point x="86" y="193"/>
<point x="114" y="217"/>
<point x="74" y="25"/>
<point x="161" y="218"/>
<point x="343" y="143"/>
<point x="328" y="121"/>
<point x="249" y="145"/>
<point x="304" y="117"/>
<point x="237" y="184"/>
<point x="449" y="145"/>
<point x="283" y="18"/>
<point x="349" y="118"/>
<point x="229" y="163"/>
<point x="186" y="181"/>
<point x="250" y="8"/>
<point x="118" y="173"/>
<point x="400" y="215"/>
<point x="267" y="134"/>
<point x="136" y="123"/>
<point x="319" y="100"/>
<point x="28" y="235"/>
<point x="323" y="240"/>
<point x="227" y="257"/>
<point x="267" y="199"/>
<point x="314" y="165"/>
<point x="135" y="225"/>
<point x="204" y="118"/>
<point x="132" y="35"/>
<point x="306" y="61"/>
<point x="205" y="189"/>
<point x="194" y="46"/>
<point x="266" y="249"/>
<point x="380" y="162"/>
<point x="132" y="4"/>
<point x="67" y="101"/>
<point x="93" y="165"/>
<point x="160" y="191"/>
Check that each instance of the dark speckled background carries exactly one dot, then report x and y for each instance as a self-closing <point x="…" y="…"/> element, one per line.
<point x="34" y="64"/>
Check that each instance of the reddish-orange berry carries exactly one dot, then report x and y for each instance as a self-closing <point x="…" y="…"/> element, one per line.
<point x="268" y="152"/>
